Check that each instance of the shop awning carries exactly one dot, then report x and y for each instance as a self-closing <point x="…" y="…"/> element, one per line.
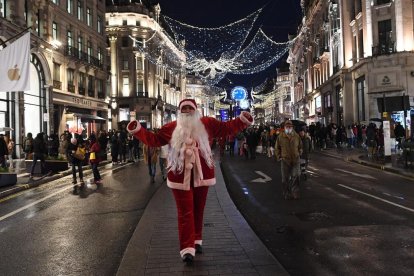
<point x="88" y="117"/>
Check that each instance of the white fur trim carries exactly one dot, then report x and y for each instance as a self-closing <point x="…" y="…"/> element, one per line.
<point x="244" y="119"/>
<point x="200" y="242"/>
<point x="190" y="250"/>
<point x="133" y="130"/>
<point x="190" y="103"/>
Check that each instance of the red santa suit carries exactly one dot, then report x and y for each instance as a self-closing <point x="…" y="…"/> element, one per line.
<point x="190" y="185"/>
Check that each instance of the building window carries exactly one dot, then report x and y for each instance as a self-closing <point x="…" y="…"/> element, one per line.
<point x="125" y="64"/>
<point x="3" y="8"/>
<point x="71" y="77"/>
<point x="80" y="45"/>
<point x="89" y="17"/>
<point x="327" y="102"/>
<point x="91" y="86"/>
<point x="125" y="86"/>
<point x="56" y="71"/>
<point x="381" y="2"/>
<point x="89" y="51"/>
<point x="57" y="84"/>
<point x="56" y="2"/>
<point x="360" y="83"/>
<point x="139" y="63"/>
<point x="99" y="24"/>
<point x="385" y="44"/>
<point x="38" y="23"/>
<point x="99" y="55"/>
<point x="69" y="42"/>
<point x="99" y="86"/>
<point x="81" y="84"/>
<point x="69" y="6"/>
<point x="140" y="86"/>
<point x="361" y="44"/>
<point x="124" y="22"/>
<point x="54" y="31"/>
<point x="80" y="10"/>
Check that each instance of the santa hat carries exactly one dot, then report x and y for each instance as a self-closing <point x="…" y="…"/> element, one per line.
<point x="190" y="102"/>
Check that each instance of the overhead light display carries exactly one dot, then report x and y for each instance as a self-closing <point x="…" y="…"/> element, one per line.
<point x="238" y="93"/>
<point x="211" y="53"/>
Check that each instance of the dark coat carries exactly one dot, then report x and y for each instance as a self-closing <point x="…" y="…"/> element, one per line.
<point x="39" y="146"/>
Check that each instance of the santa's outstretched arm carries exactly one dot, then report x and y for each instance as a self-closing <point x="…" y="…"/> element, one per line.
<point x="222" y="129"/>
<point x="162" y="137"/>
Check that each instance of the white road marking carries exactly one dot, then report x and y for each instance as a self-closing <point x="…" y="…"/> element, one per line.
<point x="262" y="180"/>
<point x="381" y="199"/>
<point x="47" y="197"/>
<point x="33" y="203"/>
<point x="356" y="174"/>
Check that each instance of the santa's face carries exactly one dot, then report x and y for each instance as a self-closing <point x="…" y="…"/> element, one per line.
<point x="188" y="119"/>
<point x="187" y="109"/>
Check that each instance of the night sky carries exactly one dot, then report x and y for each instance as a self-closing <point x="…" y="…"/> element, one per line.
<point x="278" y="19"/>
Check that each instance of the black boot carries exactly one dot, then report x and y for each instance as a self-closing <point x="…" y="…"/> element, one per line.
<point x="188" y="258"/>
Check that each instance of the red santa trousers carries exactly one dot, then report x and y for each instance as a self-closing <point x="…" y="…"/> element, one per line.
<point x="190" y="211"/>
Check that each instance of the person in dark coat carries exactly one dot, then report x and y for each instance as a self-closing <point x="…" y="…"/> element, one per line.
<point x="399" y="132"/>
<point x="114" y="148"/>
<point x="3" y="151"/>
<point x="72" y="147"/>
<point x="252" y="141"/>
<point x="39" y="153"/>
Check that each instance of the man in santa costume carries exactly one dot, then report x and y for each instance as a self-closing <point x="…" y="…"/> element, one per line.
<point x="190" y="165"/>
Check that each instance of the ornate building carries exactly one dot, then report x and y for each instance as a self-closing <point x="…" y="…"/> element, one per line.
<point x="147" y="74"/>
<point x="357" y="56"/>
<point x="67" y="67"/>
<point x="204" y="97"/>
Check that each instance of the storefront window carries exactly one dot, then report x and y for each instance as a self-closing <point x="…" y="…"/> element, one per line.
<point x="124" y="114"/>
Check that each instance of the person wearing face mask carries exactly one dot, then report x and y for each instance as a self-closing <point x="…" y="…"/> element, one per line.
<point x="288" y="150"/>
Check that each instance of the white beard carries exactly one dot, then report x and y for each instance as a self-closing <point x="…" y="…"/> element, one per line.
<point x="188" y="126"/>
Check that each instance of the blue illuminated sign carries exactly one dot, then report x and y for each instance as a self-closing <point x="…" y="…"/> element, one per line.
<point x="239" y="93"/>
<point x="224" y="114"/>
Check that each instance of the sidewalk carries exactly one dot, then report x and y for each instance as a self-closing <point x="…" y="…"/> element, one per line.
<point x="230" y="247"/>
<point x="359" y="156"/>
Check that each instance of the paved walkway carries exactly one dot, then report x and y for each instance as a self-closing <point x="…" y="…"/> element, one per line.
<point x="230" y="245"/>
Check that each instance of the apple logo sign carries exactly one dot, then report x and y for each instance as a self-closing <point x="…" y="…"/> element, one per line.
<point x="13" y="73"/>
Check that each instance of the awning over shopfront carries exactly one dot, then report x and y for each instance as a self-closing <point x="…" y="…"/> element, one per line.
<point x="88" y="117"/>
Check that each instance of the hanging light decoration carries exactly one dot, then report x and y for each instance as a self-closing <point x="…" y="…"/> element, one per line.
<point x="211" y="53"/>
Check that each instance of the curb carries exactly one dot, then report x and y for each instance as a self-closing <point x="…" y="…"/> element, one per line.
<point x="21" y="187"/>
<point x="368" y="164"/>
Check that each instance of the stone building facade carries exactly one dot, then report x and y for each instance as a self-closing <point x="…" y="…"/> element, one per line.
<point x="353" y="61"/>
<point x="147" y="74"/>
<point x="67" y="67"/>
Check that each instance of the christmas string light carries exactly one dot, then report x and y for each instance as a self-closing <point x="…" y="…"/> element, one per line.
<point x="211" y="43"/>
<point x="211" y="53"/>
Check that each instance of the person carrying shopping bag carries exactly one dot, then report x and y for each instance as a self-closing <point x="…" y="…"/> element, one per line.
<point x="95" y="159"/>
<point x="76" y="158"/>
